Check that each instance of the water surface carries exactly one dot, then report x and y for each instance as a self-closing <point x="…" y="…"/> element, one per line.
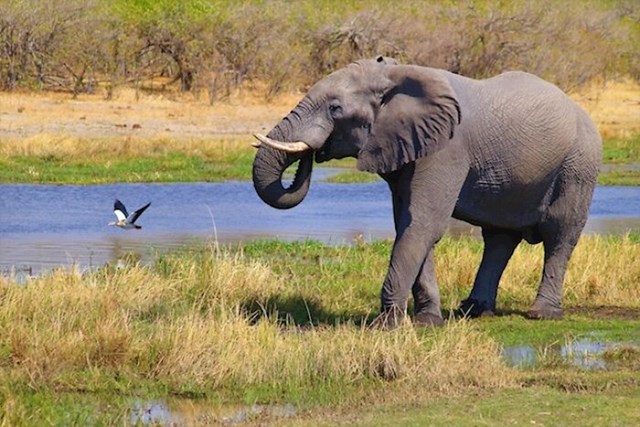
<point x="585" y="354"/>
<point x="45" y="226"/>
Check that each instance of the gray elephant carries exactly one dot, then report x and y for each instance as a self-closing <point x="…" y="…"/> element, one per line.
<point x="512" y="154"/>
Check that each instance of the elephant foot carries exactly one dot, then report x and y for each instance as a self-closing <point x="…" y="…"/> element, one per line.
<point x="389" y="319"/>
<point x="473" y="308"/>
<point x="428" y="319"/>
<point x="545" y="312"/>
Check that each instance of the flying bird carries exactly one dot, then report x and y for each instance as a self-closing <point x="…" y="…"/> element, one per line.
<point x="124" y="219"/>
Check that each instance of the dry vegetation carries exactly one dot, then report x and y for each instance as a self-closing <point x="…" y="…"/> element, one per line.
<point x="214" y="46"/>
<point x="215" y="321"/>
<point x="151" y="80"/>
<point x="186" y="325"/>
<point x="44" y="122"/>
<point x="614" y="106"/>
<point x="604" y="271"/>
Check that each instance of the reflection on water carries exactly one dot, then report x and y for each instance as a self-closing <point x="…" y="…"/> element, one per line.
<point x="584" y="354"/>
<point x="44" y="226"/>
<point x="154" y="413"/>
<point x="624" y="167"/>
<point x="191" y="413"/>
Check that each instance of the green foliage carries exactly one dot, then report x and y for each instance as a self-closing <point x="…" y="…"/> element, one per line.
<point x="622" y="150"/>
<point x="167" y="167"/>
<point x="352" y="177"/>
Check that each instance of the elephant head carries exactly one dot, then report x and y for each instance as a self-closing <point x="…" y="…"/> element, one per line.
<point x="382" y="113"/>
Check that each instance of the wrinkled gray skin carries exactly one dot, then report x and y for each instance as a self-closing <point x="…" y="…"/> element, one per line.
<point x="511" y="154"/>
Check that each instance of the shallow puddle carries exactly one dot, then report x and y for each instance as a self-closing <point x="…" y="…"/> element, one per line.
<point x="187" y="412"/>
<point x="585" y="354"/>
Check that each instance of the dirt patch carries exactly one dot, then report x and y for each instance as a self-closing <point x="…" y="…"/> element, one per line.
<point x="605" y="312"/>
<point x="615" y="107"/>
<point x="91" y="116"/>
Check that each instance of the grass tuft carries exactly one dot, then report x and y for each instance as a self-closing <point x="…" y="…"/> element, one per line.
<point x="208" y="321"/>
<point x="285" y="322"/>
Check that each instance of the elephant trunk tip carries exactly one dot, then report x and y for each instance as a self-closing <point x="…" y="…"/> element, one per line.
<point x="268" y="169"/>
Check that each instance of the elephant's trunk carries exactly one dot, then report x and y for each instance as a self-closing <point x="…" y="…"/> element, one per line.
<point x="268" y="167"/>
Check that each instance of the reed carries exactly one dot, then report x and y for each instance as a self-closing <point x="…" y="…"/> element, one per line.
<point x="189" y="324"/>
<point x="72" y="160"/>
<point x="603" y="270"/>
<point x="211" y="320"/>
<point x="70" y="148"/>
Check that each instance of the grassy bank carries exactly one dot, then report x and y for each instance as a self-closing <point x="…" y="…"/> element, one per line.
<point x="617" y="152"/>
<point x="45" y="159"/>
<point x="74" y="160"/>
<point x="284" y="322"/>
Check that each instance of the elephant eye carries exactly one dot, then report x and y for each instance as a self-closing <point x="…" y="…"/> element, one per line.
<point x="335" y="109"/>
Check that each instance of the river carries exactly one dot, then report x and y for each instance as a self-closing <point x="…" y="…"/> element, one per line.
<point x="46" y="226"/>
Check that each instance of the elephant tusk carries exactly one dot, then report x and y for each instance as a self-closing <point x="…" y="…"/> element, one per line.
<point x="289" y="147"/>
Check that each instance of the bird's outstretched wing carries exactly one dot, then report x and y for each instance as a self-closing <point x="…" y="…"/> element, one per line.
<point x="134" y="216"/>
<point x="120" y="210"/>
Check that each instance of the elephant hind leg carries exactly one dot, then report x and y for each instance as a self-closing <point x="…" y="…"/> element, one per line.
<point x="557" y="251"/>
<point x="499" y="245"/>
<point x="560" y="232"/>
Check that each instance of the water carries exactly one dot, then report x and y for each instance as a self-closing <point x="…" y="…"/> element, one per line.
<point x="585" y="354"/>
<point x="176" y="412"/>
<point x="46" y="226"/>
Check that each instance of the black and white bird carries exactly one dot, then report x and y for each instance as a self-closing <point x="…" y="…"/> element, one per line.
<point x="124" y="219"/>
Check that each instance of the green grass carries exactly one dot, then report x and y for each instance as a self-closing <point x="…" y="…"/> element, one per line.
<point x="540" y="405"/>
<point x="80" y="161"/>
<point x="353" y="177"/>
<point x="528" y="406"/>
<point x="626" y="178"/>
<point x="276" y="322"/>
<point x="621" y="150"/>
<point x="169" y="167"/>
<point x="513" y="330"/>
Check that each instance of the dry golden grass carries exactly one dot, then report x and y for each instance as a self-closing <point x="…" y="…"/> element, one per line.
<point x="82" y="148"/>
<point x="207" y="320"/>
<point x="185" y="325"/>
<point x="603" y="271"/>
<point x="165" y="115"/>
<point x="615" y="106"/>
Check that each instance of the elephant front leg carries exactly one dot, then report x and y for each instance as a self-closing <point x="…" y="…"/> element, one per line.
<point x="424" y="196"/>
<point x="420" y="224"/>
<point x="426" y="296"/>
<point x="407" y="258"/>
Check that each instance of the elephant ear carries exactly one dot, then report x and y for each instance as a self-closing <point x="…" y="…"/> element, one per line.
<point x="417" y="117"/>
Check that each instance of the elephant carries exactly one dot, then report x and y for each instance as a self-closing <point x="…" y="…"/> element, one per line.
<point x="511" y="154"/>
